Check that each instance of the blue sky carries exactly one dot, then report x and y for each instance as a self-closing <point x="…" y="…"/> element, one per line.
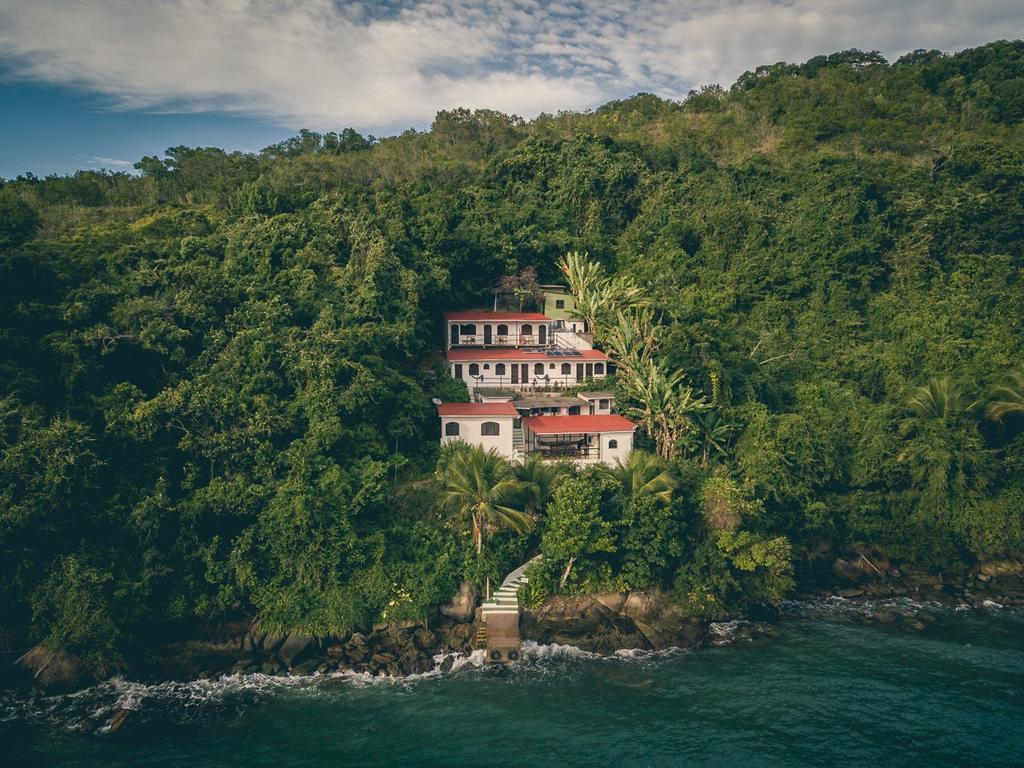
<point x="100" y="83"/>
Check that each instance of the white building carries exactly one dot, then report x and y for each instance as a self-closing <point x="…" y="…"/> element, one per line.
<point x="488" y="425"/>
<point x="582" y="439"/>
<point x="485" y="328"/>
<point x="598" y="403"/>
<point x="550" y="368"/>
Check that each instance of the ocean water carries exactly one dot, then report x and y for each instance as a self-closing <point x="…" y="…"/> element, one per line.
<point x="934" y="687"/>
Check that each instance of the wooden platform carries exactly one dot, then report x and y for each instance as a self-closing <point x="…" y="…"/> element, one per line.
<point x="503" y="640"/>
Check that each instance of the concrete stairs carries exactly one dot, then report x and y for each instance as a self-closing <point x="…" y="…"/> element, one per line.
<point x="498" y="631"/>
<point x="506" y="598"/>
<point x="518" y="441"/>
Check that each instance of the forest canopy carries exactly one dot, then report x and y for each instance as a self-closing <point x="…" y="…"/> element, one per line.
<point x="217" y="372"/>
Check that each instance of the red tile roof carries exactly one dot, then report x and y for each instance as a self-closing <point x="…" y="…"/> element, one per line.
<point x="576" y="425"/>
<point x="458" y="355"/>
<point x="486" y="314"/>
<point x="476" y="409"/>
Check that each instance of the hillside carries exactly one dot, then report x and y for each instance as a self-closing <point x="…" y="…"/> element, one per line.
<point x="217" y="374"/>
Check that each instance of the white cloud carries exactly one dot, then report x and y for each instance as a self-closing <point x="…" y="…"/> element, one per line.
<point x="108" y="162"/>
<point x="324" y="64"/>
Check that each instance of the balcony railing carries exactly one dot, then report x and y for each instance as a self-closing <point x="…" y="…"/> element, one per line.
<point x="511" y="340"/>
<point x="539" y="383"/>
<point x="556" y="452"/>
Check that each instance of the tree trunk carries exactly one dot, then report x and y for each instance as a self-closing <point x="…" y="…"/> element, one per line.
<point x="565" y="573"/>
<point x="478" y="536"/>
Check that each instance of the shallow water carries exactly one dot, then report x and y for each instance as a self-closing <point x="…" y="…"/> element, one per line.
<point x="827" y="691"/>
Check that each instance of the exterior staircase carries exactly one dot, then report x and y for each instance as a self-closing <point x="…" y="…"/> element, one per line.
<point x="499" y="618"/>
<point x="518" y="442"/>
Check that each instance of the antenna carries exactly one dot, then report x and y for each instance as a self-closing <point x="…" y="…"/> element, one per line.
<point x="435" y="400"/>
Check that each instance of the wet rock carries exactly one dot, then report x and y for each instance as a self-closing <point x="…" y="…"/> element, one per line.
<point x="118" y="719"/>
<point x="424" y="639"/>
<point x="462" y="607"/>
<point x="306" y="667"/>
<point x="447" y="663"/>
<point x="1008" y="567"/>
<point x="52" y="671"/>
<point x="848" y="571"/>
<point x="297" y="648"/>
<point x="272" y="667"/>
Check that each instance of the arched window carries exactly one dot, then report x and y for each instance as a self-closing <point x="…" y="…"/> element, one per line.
<point x="451" y="429"/>
<point x="566" y="369"/>
<point x="503" y="330"/>
<point x="613" y="443"/>
<point x="598" y="367"/>
<point x="526" y="330"/>
<point x="538" y="369"/>
<point x="490" y="429"/>
<point x="474" y="369"/>
<point x="499" y="369"/>
<point x="468" y="330"/>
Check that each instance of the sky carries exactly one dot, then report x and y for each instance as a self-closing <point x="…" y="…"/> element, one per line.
<point x="88" y="84"/>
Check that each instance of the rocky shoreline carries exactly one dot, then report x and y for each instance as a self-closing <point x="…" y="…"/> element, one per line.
<point x="600" y="623"/>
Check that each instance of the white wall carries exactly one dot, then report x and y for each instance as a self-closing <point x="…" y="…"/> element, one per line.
<point x="469" y="431"/>
<point x="492" y="380"/>
<point x="625" y="445"/>
<point x="512" y="339"/>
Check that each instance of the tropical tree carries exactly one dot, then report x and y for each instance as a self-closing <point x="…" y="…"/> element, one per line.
<point x="943" y="452"/>
<point x="539" y="479"/>
<point x="479" y="486"/>
<point x="586" y="279"/>
<point x="574" y="526"/>
<point x="642" y="473"/>
<point x="663" y="404"/>
<point x="941" y="400"/>
<point x="1007" y="399"/>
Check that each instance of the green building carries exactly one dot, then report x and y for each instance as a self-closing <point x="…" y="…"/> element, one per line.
<point x="558" y="302"/>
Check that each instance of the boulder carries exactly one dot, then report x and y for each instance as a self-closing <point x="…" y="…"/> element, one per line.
<point x="297" y="648"/>
<point x="118" y="719"/>
<point x="52" y="671"/>
<point x="662" y="622"/>
<point x="424" y="639"/>
<point x="462" y="607"/>
<point x="994" y="568"/>
<point x="847" y="570"/>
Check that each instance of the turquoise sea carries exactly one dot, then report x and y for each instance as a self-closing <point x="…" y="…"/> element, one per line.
<point x="934" y="687"/>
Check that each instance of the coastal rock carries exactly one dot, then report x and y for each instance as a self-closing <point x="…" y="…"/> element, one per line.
<point x="662" y="622"/>
<point x="118" y="719"/>
<point x="297" y="648"/>
<point x="994" y="568"/>
<point x="462" y="607"/>
<point x="52" y="671"/>
<point x="609" y="622"/>
<point x="424" y="639"/>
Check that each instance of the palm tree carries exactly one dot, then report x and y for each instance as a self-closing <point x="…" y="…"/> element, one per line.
<point x="539" y="480"/>
<point x="586" y="279"/>
<point x="478" y="486"/>
<point x="666" y="406"/>
<point x="713" y="434"/>
<point x="1007" y="398"/>
<point x="941" y="400"/>
<point x="642" y="473"/>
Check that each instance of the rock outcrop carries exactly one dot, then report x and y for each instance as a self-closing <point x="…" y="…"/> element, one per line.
<point x="51" y="671"/>
<point x="604" y="623"/>
<point x="462" y="607"/>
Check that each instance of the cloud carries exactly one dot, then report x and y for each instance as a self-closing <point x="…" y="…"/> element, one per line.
<point x="326" y="64"/>
<point x="109" y="162"/>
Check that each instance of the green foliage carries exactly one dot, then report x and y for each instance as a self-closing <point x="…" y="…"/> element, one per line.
<point x="216" y="374"/>
<point x="478" y="487"/>
<point x="575" y="526"/>
<point x="731" y="571"/>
